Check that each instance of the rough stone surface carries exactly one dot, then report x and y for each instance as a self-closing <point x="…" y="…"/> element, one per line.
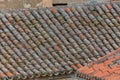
<point x="19" y="4"/>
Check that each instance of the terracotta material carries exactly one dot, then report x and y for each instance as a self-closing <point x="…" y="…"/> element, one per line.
<point x="60" y="40"/>
<point x="106" y="67"/>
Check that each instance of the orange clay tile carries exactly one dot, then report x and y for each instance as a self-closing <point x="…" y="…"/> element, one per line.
<point x="89" y="71"/>
<point x="74" y="67"/>
<point x="57" y="48"/>
<point x="83" y="69"/>
<point x="98" y="73"/>
<point x="2" y="75"/>
<point x="54" y="10"/>
<point x="117" y="71"/>
<point x="109" y="69"/>
<point x="9" y="74"/>
<point x="79" y="65"/>
<point x="61" y="40"/>
<point x="96" y="66"/>
<point x="109" y="6"/>
<point x="67" y="9"/>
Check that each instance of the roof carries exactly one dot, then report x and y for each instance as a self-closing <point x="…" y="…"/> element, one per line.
<point x="105" y="68"/>
<point x="56" y="41"/>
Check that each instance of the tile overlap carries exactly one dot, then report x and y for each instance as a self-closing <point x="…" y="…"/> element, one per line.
<point x="58" y="40"/>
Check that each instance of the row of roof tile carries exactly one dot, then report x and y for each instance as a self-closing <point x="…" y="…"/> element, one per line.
<point x="56" y="41"/>
<point x="106" y="67"/>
